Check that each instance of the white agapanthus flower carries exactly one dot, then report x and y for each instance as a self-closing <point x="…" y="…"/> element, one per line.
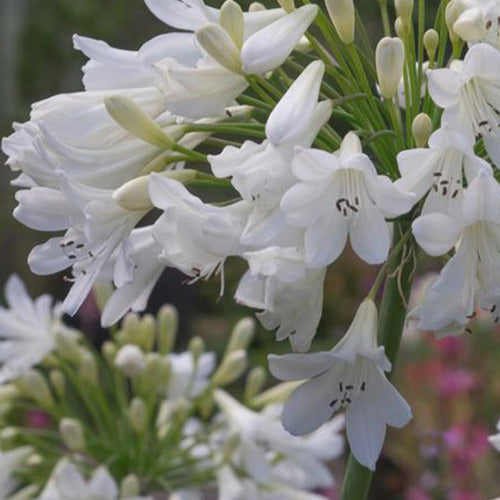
<point x="478" y="22"/>
<point x="350" y="376"/>
<point x="440" y="169"/>
<point x="472" y="276"/>
<point x="262" y="173"/>
<point x="10" y="463"/>
<point x="29" y="330"/>
<point x="67" y="483"/>
<point x="289" y="295"/>
<point x="340" y="195"/>
<point x="469" y="92"/>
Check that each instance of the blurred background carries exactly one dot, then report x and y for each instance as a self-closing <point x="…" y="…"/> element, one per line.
<point x="453" y="386"/>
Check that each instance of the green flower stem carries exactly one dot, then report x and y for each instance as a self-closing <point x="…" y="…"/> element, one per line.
<point x="385" y="17"/>
<point x="421" y="31"/>
<point x="392" y="316"/>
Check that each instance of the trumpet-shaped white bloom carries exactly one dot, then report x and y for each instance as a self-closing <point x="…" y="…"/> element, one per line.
<point x="440" y="169"/>
<point x="340" y="195"/>
<point x="10" y="463"/>
<point x="66" y="482"/>
<point x="469" y="92"/>
<point x="351" y="375"/>
<point x="262" y="172"/>
<point x="289" y="294"/>
<point x="472" y="275"/>
<point x="28" y="330"/>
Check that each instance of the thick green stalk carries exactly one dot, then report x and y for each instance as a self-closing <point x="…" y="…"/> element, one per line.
<point x="392" y="316"/>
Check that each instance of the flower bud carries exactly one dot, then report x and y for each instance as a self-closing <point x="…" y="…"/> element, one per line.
<point x="67" y="345"/>
<point x="34" y="386"/>
<point x="400" y="28"/>
<point x="138" y="415"/>
<point x="422" y="129"/>
<point x="277" y="394"/>
<point x="471" y="25"/>
<point x="130" y="360"/>
<point x="147" y="332"/>
<point x="256" y="7"/>
<point x="196" y="347"/>
<point x="241" y="336"/>
<point x="58" y="382"/>
<point x="287" y="5"/>
<point x="304" y="45"/>
<point x="255" y="382"/>
<point x="72" y="434"/>
<point x="102" y="293"/>
<point x="34" y="460"/>
<point x="153" y="369"/>
<point x="130" y="487"/>
<point x="389" y="59"/>
<point x="453" y="11"/>
<point x="7" y="435"/>
<point x="168" y="321"/>
<point x="134" y="194"/>
<point x="135" y="121"/>
<point x="404" y="10"/>
<point x="342" y="14"/>
<point x="165" y="372"/>
<point x="8" y="393"/>
<point x="431" y="43"/>
<point x="109" y="350"/>
<point x="220" y="46"/>
<point x="231" y="368"/>
<point x="231" y="19"/>
<point x="88" y="369"/>
<point x="130" y="329"/>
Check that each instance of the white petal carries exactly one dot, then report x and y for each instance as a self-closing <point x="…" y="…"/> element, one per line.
<point x="102" y="485"/>
<point x="184" y="15"/>
<point x="482" y="199"/>
<point x="444" y="86"/>
<point x="291" y="117"/>
<point x="268" y="48"/>
<point x="436" y="233"/>
<point x="299" y="366"/>
<point x="48" y="258"/>
<point x="350" y="146"/>
<point x="304" y="203"/>
<point x="313" y="164"/>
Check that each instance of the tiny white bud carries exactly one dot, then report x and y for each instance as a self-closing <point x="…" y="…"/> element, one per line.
<point x="287" y="5"/>
<point x="231" y="19"/>
<point x="138" y="415"/>
<point x="168" y="321"/>
<point x="404" y="10"/>
<point x="135" y="121"/>
<point x="256" y="7"/>
<point x="8" y="434"/>
<point x="88" y="369"/>
<point x="431" y="43"/>
<point x="277" y="394"/>
<point x="304" y="45"/>
<point x="453" y="11"/>
<point x="422" y="129"/>
<point x="8" y="393"/>
<point x="220" y="46"/>
<point x="130" y="329"/>
<point x="134" y="194"/>
<point x="58" y="382"/>
<point x="342" y="14"/>
<point x="130" y="360"/>
<point x="109" y="350"/>
<point x="71" y="431"/>
<point x="34" y="460"/>
<point x="231" y="368"/>
<point x="471" y="25"/>
<point x="130" y="486"/>
<point x="34" y="386"/>
<point x="196" y="347"/>
<point x="255" y="382"/>
<point x="400" y="28"/>
<point x="147" y="332"/>
<point x="389" y="57"/>
<point x="241" y="336"/>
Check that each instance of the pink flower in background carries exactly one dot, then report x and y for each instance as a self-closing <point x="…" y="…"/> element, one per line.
<point x="37" y="419"/>
<point x="464" y="495"/>
<point x="417" y="494"/>
<point x="452" y="382"/>
<point x="450" y="347"/>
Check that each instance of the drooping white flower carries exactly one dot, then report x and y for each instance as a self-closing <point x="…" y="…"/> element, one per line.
<point x="469" y="92"/>
<point x="440" y="169"/>
<point x="28" y="330"/>
<point x="10" y="463"/>
<point x="67" y="483"/>
<point x="262" y="173"/>
<point x="351" y="375"/>
<point x="340" y="195"/>
<point x="289" y="294"/>
<point x="472" y="275"/>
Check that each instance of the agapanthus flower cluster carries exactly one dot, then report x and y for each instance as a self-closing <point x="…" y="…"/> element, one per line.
<point x="136" y="418"/>
<point x="315" y="142"/>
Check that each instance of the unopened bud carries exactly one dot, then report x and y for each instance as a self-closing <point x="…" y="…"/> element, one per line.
<point x="231" y="19"/>
<point x="404" y="10"/>
<point x="67" y="345"/>
<point x="255" y="382"/>
<point x="138" y="415"/>
<point x="58" y="382"/>
<point x="453" y="11"/>
<point x="196" y="347"/>
<point x="242" y="335"/>
<point x="135" y="121"/>
<point x="389" y="59"/>
<point x="88" y="369"/>
<point x="287" y="5"/>
<point x="304" y="45"/>
<point x="342" y="14"/>
<point x="109" y="350"/>
<point x="231" y="368"/>
<point x="431" y="43"/>
<point x="168" y="321"/>
<point x="34" y="386"/>
<point x="277" y="394"/>
<point x="130" y="360"/>
<point x="134" y="194"/>
<point x="400" y="28"/>
<point x="72" y="434"/>
<point x="256" y="7"/>
<point x="130" y="329"/>
<point x="8" y="434"/>
<point x="422" y="129"/>
<point x="34" y="460"/>
<point x="471" y="25"/>
<point x="152" y="372"/>
<point x="147" y="332"/>
<point x="130" y="487"/>
<point x="220" y="46"/>
<point x="8" y="393"/>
